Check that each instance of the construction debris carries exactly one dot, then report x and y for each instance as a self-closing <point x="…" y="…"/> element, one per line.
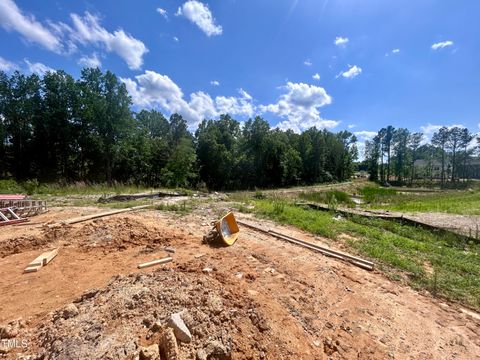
<point x="41" y="260"/>
<point x="364" y="264"/>
<point x="155" y="262"/>
<point x="224" y="231"/>
<point x="8" y="216"/>
<point x="170" y="249"/>
<point x="181" y="331"/>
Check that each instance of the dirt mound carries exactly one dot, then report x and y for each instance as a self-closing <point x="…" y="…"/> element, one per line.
<point x="107" y="234"/>
<point x="133" y="310"/>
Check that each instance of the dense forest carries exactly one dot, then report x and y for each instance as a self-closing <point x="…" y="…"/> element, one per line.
<point x="61" y="129"/>
<point x="401" y="156"/>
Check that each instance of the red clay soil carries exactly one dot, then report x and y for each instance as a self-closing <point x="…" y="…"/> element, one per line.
<point x="258" y="299"/>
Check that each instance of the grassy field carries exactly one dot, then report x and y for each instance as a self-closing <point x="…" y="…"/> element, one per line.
<point x="453" y="202"/>
<point x="445" y="265"/>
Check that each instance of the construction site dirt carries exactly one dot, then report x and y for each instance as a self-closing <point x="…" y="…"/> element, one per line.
<point x="261" y="298"/>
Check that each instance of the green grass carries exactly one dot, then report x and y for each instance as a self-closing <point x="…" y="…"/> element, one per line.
<point x="445" y="265"/>
<point x="376" y="194"/>
<point x="453" y="202"/>
<point x="327" y="197"/>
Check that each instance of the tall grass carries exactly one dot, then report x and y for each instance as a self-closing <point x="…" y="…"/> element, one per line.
<point x="454" y="202"/>
<point x="328" y="197"/>
<point x="376" y="194"/>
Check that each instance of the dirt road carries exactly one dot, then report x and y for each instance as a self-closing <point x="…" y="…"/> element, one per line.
<point x="259" y="299"/>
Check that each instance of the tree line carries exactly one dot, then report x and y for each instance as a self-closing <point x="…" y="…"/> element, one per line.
<point x="60" y="129"/>
<point x="392" y="155"/>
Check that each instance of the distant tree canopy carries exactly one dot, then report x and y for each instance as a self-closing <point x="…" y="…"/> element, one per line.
<point x="391" y="155"/>
<point x="61" y="129"/>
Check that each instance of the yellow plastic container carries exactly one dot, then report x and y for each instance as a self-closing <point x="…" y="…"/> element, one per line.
<point x="227" y="228"/>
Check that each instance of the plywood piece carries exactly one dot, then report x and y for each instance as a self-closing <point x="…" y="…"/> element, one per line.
<point x="50" y="256"/>
<point x="155" y="262"/>
<point x="38" y="260"/>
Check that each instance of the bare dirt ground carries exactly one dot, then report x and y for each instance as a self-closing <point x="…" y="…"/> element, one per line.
<point x="258" y="299"/>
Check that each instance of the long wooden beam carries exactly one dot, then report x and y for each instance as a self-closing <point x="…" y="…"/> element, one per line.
<point x="96" y="216"/>
<point x="364" y="264"/>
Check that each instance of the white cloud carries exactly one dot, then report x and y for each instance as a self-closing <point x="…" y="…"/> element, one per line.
<point x="365" y="135"/>
<point x="395" y="51"/>
<point x="441" y="45"/>
<point x="12" y="19"/>
<point x="37" y="68"/>
<point x="316" y="76"/>
<point x="351" y="126"/>
<point x="300" y="106"/>
<point x="90" y="61"/>
<point x="87" y="30"/>
<point x="151" y="90"/>
<point x="245" y="94"/>
<point x="215" y="83"/>
<point x="235" y="105"/>
<point x="429" y="129"/>
<point x="340" y="41"/>
<point x="7" y="66"/>
<point x="352" y="72"/>
<point x="162" y="12"/>
<point x="176" y="39"/>
<point x="200" y="15"/>
<point x="308" y="62"/>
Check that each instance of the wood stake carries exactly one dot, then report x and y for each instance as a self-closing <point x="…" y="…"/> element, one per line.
<point x="155" y="262"/>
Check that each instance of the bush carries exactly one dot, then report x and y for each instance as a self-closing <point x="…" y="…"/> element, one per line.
<point x="10" y="187"/>
<point x="31" y="186"/>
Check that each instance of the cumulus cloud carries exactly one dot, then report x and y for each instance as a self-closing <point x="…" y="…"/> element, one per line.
<point x="7" y="66"/>
<point x="13" y="19"/>
<point x="308" y="62"/>
<point x="365" y="135"/>
<point x="162" y="12"/>
<point x="429" y="129"/>
<point x="37" y="68"/>
<point x="63" y="39"/>
<point x="300" y="107"/>
<point x="395" y="51"/>
<point x="87" y="30"/>
<point x="316" y="76"/>
<point x="90" y="61"/>
<point x="199" y="14"/>
<point x="351" y="126"/>
<point x="352" y="72"/>
<point x="341" y="41"/>
<point x="441" y="45"/>
<point x="154" y="90"/>
<point x="215" y="83"/>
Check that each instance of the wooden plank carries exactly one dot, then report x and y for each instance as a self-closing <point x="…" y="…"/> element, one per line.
<point x="38" y="260"/>
<point x="50" y="256"/>
<point x="155" y="262"/>
<point x="96" y="216"/>
<point x="30" y="269"/>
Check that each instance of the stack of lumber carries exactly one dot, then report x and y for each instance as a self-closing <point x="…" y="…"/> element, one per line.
<point x="41" y="260"/>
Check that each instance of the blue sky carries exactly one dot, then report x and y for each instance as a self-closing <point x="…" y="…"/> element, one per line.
<point x="401" y="62"/>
